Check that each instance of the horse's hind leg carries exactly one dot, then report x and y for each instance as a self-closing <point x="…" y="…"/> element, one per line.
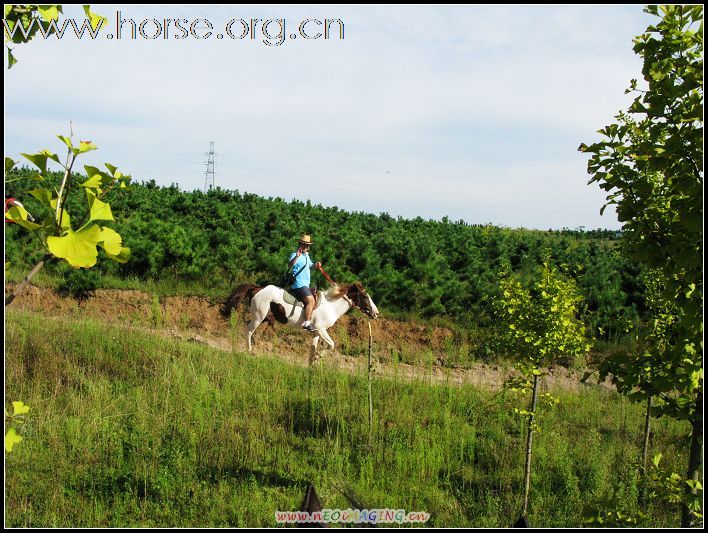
<point x="256" y="318"/>
<point x="250" y="328"/>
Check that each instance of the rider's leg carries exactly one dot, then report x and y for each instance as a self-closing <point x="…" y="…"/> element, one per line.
<point x="309" y="307"/>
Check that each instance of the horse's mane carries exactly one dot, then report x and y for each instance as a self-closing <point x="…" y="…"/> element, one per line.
<point x="338" y="290"/>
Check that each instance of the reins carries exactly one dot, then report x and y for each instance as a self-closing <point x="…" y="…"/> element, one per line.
<point x="351" y="302"/>
<point x="326" y="275"/>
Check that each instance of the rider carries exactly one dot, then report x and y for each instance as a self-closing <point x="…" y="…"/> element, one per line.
<point x="301" y="264"/>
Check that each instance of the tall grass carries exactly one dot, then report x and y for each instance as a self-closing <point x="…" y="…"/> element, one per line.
<point x="128" y="429"/>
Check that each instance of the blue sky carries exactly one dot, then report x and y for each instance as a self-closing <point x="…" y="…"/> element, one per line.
<point x="470" y="112"/>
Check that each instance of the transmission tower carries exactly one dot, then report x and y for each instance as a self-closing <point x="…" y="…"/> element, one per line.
<point x="210" y="163"/>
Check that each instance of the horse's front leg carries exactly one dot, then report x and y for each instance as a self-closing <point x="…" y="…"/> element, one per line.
<point x="313" y="348"/>
<point x="323" y="333"/>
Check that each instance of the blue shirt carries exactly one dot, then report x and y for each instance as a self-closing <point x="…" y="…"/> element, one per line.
<point x="303" y="265"/>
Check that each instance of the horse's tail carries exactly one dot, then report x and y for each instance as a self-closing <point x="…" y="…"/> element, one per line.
<point x="240" y="293"/>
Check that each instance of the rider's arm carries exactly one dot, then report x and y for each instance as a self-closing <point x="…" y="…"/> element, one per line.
<point x="296" y="256"/>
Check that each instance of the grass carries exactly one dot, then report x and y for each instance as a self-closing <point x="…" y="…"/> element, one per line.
<point x="128" y="429"/>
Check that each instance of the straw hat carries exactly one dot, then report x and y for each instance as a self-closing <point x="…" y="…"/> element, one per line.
<point x="305" y="239"/>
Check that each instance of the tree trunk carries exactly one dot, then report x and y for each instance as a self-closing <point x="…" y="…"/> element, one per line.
<point x="695" y="456"/>
<point x="21" y="286"/>
<point x="371" y="403"/>
<point x="647" y="430"/>
<point x="529" y="440"/>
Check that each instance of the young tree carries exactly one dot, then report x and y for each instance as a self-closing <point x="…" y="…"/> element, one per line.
<point x="652" y="166"/>
<point x="78" y="248"/>
<point x="77" y="244"/>
<point x="540" y="325"/>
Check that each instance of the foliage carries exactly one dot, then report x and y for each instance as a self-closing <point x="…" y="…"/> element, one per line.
<point x="634" y="372"/>
<point x="653" y="167"/>
<point x="425" y="267"/>
<point x="540" y="324"/>
<point x="522" y="384"/>
<point x="661" y="486"/>
<point x="19" y="409"/>
<point x="22" y="22"/>
<point x="78" y="243"/>
<point x="79" y="283"/>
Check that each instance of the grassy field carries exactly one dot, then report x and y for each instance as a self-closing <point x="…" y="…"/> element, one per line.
<point x="130" y="429"/>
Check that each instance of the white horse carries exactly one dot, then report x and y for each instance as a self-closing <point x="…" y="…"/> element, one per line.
<point x="273" y="303"/>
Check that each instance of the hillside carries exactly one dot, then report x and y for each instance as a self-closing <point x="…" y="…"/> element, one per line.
<point x="128" y="428"/>
<point x="405" y="349"/>
<point x="206" y="243"/>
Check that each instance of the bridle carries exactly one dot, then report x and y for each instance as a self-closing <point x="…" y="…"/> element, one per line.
<point x="357" y="306"/>
<point x="346" y="298"/>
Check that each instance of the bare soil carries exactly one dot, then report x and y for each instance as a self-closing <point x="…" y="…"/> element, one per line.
<point x="198" y="320"/>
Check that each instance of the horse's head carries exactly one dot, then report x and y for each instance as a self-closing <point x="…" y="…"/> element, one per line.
<point x="361" y="300"/>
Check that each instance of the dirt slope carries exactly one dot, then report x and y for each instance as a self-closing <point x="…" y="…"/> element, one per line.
<point x="198" y="320"/>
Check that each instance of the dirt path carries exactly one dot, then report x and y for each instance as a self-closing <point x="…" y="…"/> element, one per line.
<point x="198" y="320"/>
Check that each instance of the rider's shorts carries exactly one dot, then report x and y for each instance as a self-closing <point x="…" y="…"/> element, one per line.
<point x="301" y="293"/>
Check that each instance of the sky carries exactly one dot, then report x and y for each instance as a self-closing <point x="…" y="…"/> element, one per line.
<point x="470" y="112"/>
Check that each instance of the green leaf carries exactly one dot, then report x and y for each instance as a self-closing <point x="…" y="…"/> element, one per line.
<point x="78" y="248"/>
<point x="18" y="215"/>
<point x="19" y="408"/>
<point x="99" y="210"/>
<point x="9" y="164"/>
<point x="66" y="141"/>
<point x="48" y="12"/>
<point x="86" y="146"/>
<point x="122" y="256"/>
<point x="656" y="460"/>
<point x="93" y="174"/>
<point x="39" y="160"/>
<point x="110" y="241"/>
<point x="65" y="219"/>
<point x="93" y="17"/>
<point x="51" y="155"/>
<point x="11" y="59"/>
<point x="11" y="438"/>
<point x="44" y="195"/>
<point x="94" y="182"/>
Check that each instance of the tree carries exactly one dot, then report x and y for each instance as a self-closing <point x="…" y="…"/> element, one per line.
<point x="540" y="325"/>
<point x="652" y="166"/>
<point x="79" y="247"/>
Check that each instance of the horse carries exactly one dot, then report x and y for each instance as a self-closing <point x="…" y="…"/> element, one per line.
<point x="274" y="303"/>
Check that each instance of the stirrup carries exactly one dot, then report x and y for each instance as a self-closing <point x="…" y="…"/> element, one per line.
<point x="309" y="327"/>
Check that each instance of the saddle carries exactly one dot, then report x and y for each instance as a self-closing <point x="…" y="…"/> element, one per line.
<point x="279" y="311"/>
<point x="290" y="299"/>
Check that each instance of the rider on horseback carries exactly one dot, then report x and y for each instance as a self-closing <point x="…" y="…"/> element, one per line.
<point x="301" y="264"/>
